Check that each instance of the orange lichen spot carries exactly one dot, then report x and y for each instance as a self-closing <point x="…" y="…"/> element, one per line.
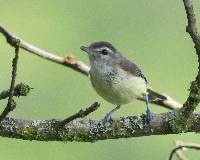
<point x="70" y="59"/>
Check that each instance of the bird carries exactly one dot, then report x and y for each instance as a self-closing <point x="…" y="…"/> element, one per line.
<point x="115" y="78"/>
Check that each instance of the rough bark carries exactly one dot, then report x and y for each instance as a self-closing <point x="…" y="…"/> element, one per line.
<point x="91" y="130"/>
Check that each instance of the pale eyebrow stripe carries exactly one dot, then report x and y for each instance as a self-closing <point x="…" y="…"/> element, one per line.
<point x="100" y="49"/>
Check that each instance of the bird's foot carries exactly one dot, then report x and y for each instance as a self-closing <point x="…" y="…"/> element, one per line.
<point x="107" y="118"/>
<point x="149" y="115"/>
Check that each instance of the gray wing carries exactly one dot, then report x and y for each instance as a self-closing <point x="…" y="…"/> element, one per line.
<point x="132" y="68"/>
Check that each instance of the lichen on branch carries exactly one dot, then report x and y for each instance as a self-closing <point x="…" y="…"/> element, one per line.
<point x="20" y="89"/>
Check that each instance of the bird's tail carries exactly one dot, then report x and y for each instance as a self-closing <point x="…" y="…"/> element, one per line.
<point x="153" y="95"/>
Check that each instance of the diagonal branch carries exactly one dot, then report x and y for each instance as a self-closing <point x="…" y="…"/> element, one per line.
<point x="80" y="114"/>
<point x="11" y="103"/>
<point x="162" y="99"/>
<point x="68" y="62"/>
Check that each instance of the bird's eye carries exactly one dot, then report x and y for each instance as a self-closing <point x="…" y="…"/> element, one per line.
<point x="104" y="51"/>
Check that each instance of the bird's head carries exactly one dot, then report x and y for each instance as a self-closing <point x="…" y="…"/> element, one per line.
<point x="101" y="52"/>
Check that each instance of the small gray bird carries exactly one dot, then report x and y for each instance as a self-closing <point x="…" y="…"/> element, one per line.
<point x="115" y="78"/>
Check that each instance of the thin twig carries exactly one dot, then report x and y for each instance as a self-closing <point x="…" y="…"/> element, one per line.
<point x="67" y="61"/>
<point x="166" y="102"/>
<point x="11" y="103"/>
<point x="186" y="146"/>
<point x="80" y="114"/>
<point x="20" y="89"/>
<point x="179" y="153"/>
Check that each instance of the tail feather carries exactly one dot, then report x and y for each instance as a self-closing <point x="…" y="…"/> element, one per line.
<point x="153" y="95"/>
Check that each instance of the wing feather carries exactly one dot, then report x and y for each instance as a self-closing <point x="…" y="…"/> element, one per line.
<point x="132" y="68"/>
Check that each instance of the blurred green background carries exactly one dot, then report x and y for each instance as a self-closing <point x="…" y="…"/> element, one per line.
<point x="152" y="33"/>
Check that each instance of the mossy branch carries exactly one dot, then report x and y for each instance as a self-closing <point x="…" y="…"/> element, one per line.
<point x="90" y="130"/>
<point x="194" y="97"/>
<point x="20" y="89"/>
<point x="183" y="118"/>
<point x="11" y="103"/>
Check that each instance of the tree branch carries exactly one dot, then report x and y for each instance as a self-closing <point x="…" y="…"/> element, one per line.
<point x="193" y="99"/>
<point x="181" y="147"/>
<point x="20" y="89"/>
<point x="184" y="117"/>
<point x="179" y="153"/>
<point x="91" y="130"/>
<point x="80" y="114"/>
<point x="11" y="103"/>
<point x="66" y="61"/>
<point x="163" y="100"/>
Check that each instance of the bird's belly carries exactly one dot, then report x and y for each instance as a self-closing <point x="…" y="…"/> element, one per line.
<point x="118" y="90"/>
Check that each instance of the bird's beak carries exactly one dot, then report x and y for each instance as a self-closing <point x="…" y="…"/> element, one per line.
<point x="86" y="49"/>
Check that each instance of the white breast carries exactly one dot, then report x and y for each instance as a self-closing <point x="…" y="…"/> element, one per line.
<point x="117" y="87"/>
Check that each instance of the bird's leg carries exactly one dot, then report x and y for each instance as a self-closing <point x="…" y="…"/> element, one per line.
<point x="108" y="116"/>
<point x="149" y="114"/>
